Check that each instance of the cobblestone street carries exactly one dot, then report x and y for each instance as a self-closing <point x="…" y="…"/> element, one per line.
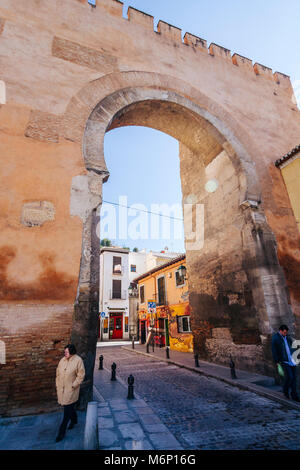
<point x="204" y="413"/>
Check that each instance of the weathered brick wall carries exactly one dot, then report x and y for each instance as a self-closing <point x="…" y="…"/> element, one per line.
<point x="35" y="336"/>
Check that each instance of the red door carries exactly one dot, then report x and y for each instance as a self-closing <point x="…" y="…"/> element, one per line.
<point x="117" y="324"/>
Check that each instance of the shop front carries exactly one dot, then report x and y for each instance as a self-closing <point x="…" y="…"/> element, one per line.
<point x="114" y="326"/>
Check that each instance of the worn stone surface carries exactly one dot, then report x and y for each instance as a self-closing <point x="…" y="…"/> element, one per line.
<point x="134" y="434"/>
<point x="84" y="56"/>
<point x="71" y="73"/>
<point x="43" y="126"/>
<point x="37" y="213"/>
<point x="2" y="23"/>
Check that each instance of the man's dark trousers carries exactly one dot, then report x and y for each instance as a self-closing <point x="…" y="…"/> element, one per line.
<point x="289" y="379"/>
<point x="69" y="414"/>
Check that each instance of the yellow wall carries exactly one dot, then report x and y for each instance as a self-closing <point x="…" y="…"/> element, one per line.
<point x="174" y="294"/>
<point x="177" y="301"/>
<point x="291" y="176"/>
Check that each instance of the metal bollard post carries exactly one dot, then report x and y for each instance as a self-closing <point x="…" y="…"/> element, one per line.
<point x="130" y="395"/>
<point x="147" y="348"/>
<point x="101" y="362"/>
<point x="133" y="342"/>
<point x="232" y="368"/>
<point x="153" y="345"/>
<point x="168" y="352"/>
<point x="196" y="360"/>
<point x="113" y="371"/>
<point x="91" y="427"/>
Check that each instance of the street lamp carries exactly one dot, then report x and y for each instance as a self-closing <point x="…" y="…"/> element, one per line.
<point x="182" y="271"/>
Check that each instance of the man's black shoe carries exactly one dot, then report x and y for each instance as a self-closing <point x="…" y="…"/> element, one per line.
<point x="71" y="425"/>
<point x="59" y="438"/>
<point x="286" y="394"/>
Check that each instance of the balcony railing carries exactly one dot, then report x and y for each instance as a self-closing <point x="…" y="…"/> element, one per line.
<point x="117" y="295"/>
<point x="118" y="270"/>
<point x="160" y="300"/>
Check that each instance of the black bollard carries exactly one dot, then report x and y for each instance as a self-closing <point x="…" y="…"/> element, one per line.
<point x="130" y="387"/>
<point x="113" y="371"/>
<point x="101" y="362"/>
<point x="132" y="342"/>
<point x="232" y="368"/>
<point x="153" y="345"/>
<point x="168" y="352"/>
<point x="147" y="348"/>
<point x="196" y="360"/>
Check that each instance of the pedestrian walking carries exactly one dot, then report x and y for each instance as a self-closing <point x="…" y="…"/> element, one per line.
<point x="282" y="354"/>
<point x="70" y="373"/>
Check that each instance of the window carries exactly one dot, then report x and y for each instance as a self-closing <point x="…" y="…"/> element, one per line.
<point x="183" y="324"/>
<point x="179" y="279"/>
<point x="116" y="293"/>
<point x="142" y="294"/>
<point x="161" y="291"/>
<point x="133" y="268"/>
<point x="117" y="265"/>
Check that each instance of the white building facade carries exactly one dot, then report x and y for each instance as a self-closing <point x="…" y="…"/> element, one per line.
<point x="113" y="302"/>
<point x="118" y="310"/>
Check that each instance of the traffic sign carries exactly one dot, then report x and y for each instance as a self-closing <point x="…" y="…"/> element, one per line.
<point x="151" y="306"/>
<point x="102" y="314"/>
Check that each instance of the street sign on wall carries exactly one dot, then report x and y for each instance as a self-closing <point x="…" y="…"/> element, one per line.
<point x="151" y="306"/>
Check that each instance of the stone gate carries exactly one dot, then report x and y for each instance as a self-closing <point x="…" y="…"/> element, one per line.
<point x="69" y="73"/>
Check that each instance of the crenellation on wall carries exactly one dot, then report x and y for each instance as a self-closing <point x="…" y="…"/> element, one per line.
<point x="241" y="61"/>
<point x="170" y="31"/>
<point x="141" y="18"/>
<point x="191" y="40"/>
<point x="260" y="69"/>
<point x="114" y="7"/>
<point x="284" y="81"/>
<point x="219" y="51"/>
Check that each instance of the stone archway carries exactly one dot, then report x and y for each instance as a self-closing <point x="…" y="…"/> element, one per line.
<point x="237" y="286"/>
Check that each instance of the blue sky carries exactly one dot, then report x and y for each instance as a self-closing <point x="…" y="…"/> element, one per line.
<point x="266" y="31"/>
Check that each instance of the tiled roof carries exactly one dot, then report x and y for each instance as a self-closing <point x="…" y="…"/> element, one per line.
<point x="158" y="268"/>
<point x="286" y="157"/>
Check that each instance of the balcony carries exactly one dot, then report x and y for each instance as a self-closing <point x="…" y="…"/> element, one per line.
<point x="117" y="295"/>
<point x="118" y="270"/>
<point x="160" y="300"/>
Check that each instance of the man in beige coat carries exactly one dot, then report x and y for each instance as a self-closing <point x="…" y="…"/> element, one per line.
<point x="70" y="373"/>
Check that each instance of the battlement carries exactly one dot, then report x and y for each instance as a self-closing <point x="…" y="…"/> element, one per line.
<point x="174" y="34"/>
<point x="263" y="70"/>
<point x="242" y="61"/>
<point x="114" y="7"/>
<point x="194" y="41"/>
<point x="219" y="51"/>
<point x="137" y="16"/>
<point x="169" y="30"/>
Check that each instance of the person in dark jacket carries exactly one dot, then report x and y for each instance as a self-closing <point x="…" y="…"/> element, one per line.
<point x="282" y="354"/>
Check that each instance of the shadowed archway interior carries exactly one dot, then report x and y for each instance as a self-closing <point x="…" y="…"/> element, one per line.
<point x="229" y="272"/>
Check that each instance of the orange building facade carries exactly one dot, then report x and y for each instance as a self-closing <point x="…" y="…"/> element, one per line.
<point x="170" y="320"/>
